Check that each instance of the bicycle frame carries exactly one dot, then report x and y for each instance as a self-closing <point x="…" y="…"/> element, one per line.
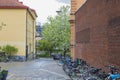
<point x="113" y="77"/>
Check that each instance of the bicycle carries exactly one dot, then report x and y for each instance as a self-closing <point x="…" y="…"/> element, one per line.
<point x="113" y="75"/>
<point x="86" y="75"/>
<point x="76" y="72"/>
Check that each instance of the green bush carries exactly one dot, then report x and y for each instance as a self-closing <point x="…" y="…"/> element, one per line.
<point x="1" y="59"/>
<point x="1" y="76"/>
<point x="0" y="48"/>
<point x="9" y="50"/>
<point x="44" y="55"/>
<point x="4" y="72"/>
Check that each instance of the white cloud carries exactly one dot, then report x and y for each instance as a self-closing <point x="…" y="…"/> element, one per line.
<point x="44" y="8"/>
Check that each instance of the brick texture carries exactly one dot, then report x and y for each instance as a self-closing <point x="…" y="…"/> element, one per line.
<point x="102" y="18"/>
<point x="75" y="5"/>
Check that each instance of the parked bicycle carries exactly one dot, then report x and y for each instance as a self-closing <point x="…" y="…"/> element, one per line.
<point x="80" y="70"/>
<point x="113" y="75"/>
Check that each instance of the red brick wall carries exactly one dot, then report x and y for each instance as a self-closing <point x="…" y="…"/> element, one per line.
<point x="102" y="18"/>
<point x="75" y="4"/>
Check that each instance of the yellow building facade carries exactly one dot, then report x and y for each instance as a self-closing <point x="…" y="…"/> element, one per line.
<point x="17" y="28"/>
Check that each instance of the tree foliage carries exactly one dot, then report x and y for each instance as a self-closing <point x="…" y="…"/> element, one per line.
<point x="56" y="32"/>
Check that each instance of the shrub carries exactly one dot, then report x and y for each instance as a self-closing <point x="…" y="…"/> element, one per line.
<point x="44" y="55"/>
<point x="10" y="50"/>
<point x="5" y="72"/>
<point x="0" y="48"/>
<point x="1" y="59"/>
<point x="1" y="76"/>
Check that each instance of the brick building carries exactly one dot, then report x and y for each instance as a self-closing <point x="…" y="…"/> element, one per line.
<point x="97" y="32"/>
<point x="75" y="4"/>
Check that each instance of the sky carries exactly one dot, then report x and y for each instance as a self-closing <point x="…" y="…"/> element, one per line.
<point x="65" y="1"/>
<point x="44" y="8"/>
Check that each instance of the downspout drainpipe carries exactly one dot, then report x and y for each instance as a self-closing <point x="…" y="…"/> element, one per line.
<point x="26" y="37"/>
<point x="33" y="40"/>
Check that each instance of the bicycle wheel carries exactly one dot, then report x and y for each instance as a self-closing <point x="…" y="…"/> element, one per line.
<point x="108" y="78"/>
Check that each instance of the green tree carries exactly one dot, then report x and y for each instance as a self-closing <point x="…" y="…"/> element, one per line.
<point x="57" y="30"/>
<point x="9" y="50"/>
<point x="47" y="46"/>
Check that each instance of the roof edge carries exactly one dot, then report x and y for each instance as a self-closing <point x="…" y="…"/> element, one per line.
<point x="34" y="12"/>
<point x="81" y="6"/>
<point x="13" y="7"/>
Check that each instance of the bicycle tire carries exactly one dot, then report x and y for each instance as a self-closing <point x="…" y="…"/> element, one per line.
<point x="108" y="78"/>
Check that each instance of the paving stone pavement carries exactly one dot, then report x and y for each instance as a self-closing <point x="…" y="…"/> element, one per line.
<point x="40" y="69"/>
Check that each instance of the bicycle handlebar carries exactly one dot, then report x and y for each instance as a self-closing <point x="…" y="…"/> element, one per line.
<point x="112" y="67"/>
